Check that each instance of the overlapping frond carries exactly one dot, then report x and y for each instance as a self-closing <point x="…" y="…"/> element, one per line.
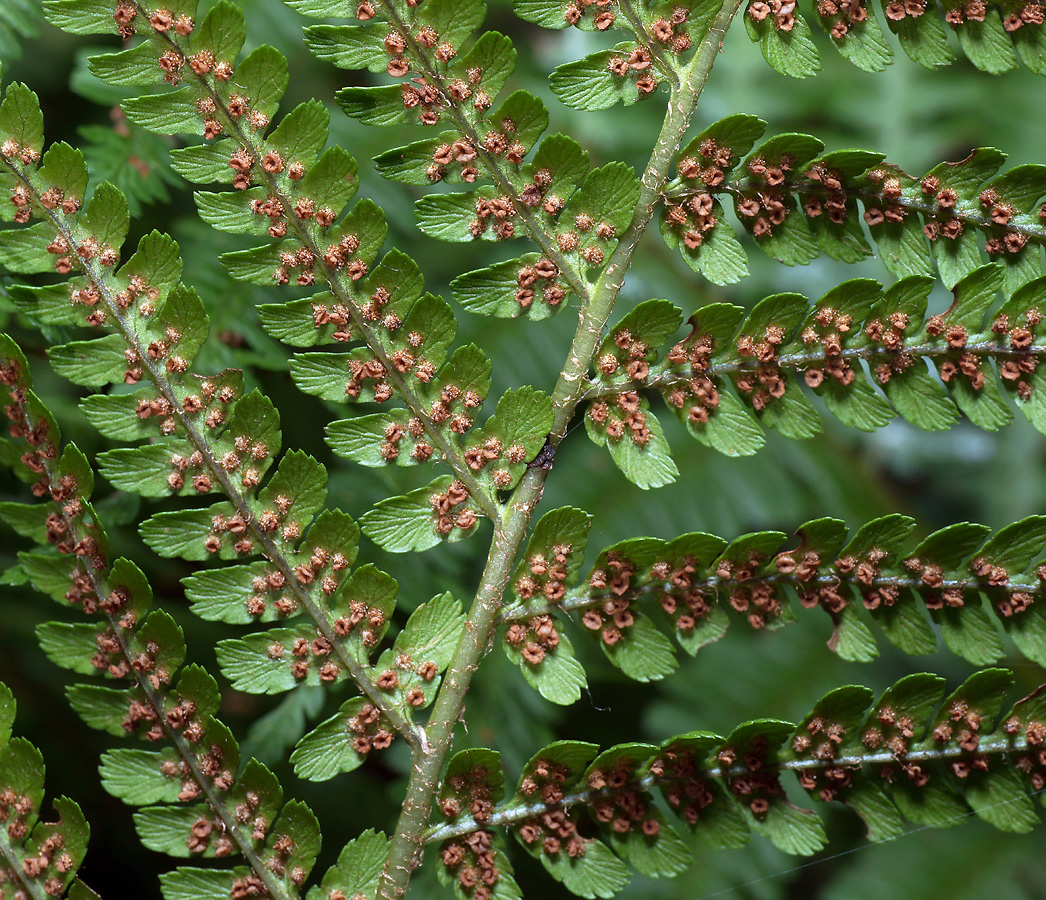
<point x="543" y="190"/>
<point x="197" y="800"/>
<point x="207" y="438"/>
<point x="589" y="816"/>
<point x="294" y="193"/>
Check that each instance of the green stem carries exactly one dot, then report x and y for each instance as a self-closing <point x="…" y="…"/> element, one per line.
<point x="430" y="753"/>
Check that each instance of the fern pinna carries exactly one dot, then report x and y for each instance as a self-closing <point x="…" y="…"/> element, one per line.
<point x="271" y="558"/>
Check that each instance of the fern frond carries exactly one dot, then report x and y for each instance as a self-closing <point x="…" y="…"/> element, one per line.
<point x="696" y="584"/>
<point x="991" y="36"/>
<point x="577" y="217"/>
<point x="487" y="142"/>
<point x="222" y="810"/>
<point x="735" y="374"/>
<point x="948" y="216"/>
<point x="915" y="754"/>
<point x="212" y="439"/>
<point x="294" y="194"/>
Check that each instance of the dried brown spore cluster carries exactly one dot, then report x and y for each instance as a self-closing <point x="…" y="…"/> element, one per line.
<point x="693" y="218"/>
<point x="241" y="531"/>
<point x="137" y="658"/>
<point x="631" y="357"/>
<point x="118" y="653"/>
<point x="760" y="784"/>
<point x="822" y="742"/>
<point x="211" y="764"/>
<point x="936" y="593"/>
<point x="46" y="862"/>
<point x="204" y="832"/>
<point x="700" y="394"/>
<point x="601" y="12"/>
<point x="621" y="804"/>
<point x="679" y="777"/>
<point x="896" y="10"/>
<point x="173" y="61"/>
<point x="781" y="11"/>
<point x="542" y="275"/>
<point x="806" y="566"/>
<point x="890" y="334"/>
<point x="545" y="574"/>
<point x="402" y="46"/>
<point x="271" y="588"/>
<point x="1015" y="15"/>
<point x="473" y="861"/>
<point x="839" y="16"/>
<point x="534" y="639"/>
<point x="1031" y="763"/>
<point x="501" y="140"/>
<point x="830" y="329"/>
<point x="586" y="238"/>
<point x="828" y="197"/>
<point x="636" y="66"/>
<point x="757" y="599"/>
<point x="894" y="731"/>
<point x="765" y="202"/>
<point x="461" y="151"/>
<point x="612" y="617"/>
<point x="71" y="526"/>
<point x="451" y="509"/>
<point x="425" y="98"/>
<point x="468" y="792"/>
<point x="766" y="382"/>
<point x="15" y="809"/>
<point x="413" y="434"/>
<point x="620" y="416"/>
<point x="481" y="455"/>
<point x="494" y="214"/>
<point x="555" y="830"/>
<point x="306" y="654"/>
<point x="370" y="731"/>
<point x="1019" y="333"/>
<point x="684" y="602"/>
<point x="368" y="375"/>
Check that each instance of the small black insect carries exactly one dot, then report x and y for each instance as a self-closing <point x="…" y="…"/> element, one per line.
<point x="546" y="456"/>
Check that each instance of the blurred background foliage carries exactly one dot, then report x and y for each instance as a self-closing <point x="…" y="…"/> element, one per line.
<point x="917" y="117"/>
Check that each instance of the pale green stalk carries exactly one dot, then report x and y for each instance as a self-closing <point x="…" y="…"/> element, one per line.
<point x="431" y="751"/>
